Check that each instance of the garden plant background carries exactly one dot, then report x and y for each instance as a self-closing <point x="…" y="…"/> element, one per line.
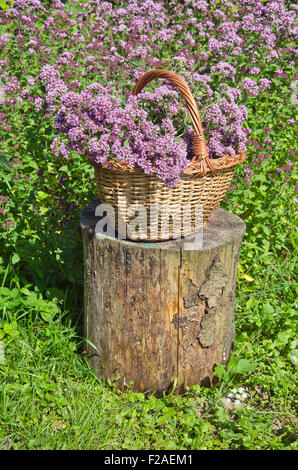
<point x="239" y="59"/>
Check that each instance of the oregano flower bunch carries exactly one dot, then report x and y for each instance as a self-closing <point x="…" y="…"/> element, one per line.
<point x="150" y="131"/>
<point x="99" y="126"/>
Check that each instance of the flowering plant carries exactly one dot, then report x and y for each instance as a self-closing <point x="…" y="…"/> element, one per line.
<point x="98" y="125"/>
<point x="149" y="131"/>
<point x="228" y="53"/>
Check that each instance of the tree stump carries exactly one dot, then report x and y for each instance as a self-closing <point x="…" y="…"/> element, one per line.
<point x="163" y="310"/>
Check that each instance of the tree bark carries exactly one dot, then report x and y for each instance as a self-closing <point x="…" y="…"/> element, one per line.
<point x="156" y="311"/>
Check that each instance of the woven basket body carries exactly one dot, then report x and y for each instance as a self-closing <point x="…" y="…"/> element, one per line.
<point x="166" y="208"/>
<point x="144" y="207"/>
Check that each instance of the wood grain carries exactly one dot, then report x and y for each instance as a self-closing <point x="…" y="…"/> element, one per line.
<point x="156" y="311"/>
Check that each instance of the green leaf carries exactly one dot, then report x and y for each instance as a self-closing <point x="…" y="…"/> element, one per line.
<point x="3" y="160"/>
<point x="245" y="366"/>
<point x="168" y="412"/>
<point x="48" y="311"/>
<point x="15" y="259"/>
<point x="232" y="365"/>
<point x="222" y="415"/>
<point x="11" y="329"/>
<point x="247" y="277"/>
<point x="64" y="168"/>
<point x="3" y="5"/>
<point x="42" y="195"/>
<point x="283" y="337"/>
<point x="219" y="371"/>
<point x="26" y="291"/>
<point x="268" y="309"/>
<point x="4" y="291"/>
<point x="43" y="210"/>
<point x="293" y="237"/>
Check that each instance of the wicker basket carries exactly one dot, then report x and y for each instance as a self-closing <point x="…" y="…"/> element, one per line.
<point x="203" y="184"/>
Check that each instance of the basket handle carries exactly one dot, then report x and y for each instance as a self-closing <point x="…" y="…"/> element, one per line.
<point x="199" y="143"/>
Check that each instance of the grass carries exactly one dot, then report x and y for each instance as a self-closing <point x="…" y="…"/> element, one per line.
<point x="49" y="396"/>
